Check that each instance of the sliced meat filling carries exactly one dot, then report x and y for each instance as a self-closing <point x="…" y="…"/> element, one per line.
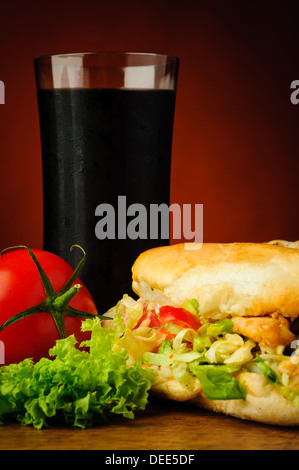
<point x="268" y="331"/>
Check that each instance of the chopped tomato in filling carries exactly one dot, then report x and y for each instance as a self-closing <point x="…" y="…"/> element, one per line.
<point x="157" y="317"/>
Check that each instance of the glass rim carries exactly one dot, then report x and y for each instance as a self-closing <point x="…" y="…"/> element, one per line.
<point x="141" y="70"/>
<point x="48" y="57"/>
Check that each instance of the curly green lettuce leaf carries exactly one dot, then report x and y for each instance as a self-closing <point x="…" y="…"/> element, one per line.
<point x="79" y="387"/>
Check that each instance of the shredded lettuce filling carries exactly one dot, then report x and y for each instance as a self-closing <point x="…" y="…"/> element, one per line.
<point x="214" y="354"/>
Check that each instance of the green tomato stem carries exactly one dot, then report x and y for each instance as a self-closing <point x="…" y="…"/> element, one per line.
<point x="26" y="313"/>
<point x="60" y="302"/>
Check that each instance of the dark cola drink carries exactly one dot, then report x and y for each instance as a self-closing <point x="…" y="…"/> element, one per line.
<point x="98" y="144"/>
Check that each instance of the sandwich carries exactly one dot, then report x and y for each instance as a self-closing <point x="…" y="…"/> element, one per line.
<point x="219" y="326"/>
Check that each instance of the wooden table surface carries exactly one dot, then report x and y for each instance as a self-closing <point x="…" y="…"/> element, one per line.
<point x="162" y="426"/>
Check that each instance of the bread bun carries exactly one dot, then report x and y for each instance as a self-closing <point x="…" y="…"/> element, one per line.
<point x="286" y="243"/>
<point x="263" y="403"/>
<point x="227" y="279"/>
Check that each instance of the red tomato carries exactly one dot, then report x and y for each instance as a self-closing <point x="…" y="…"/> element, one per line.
<point x="21" y="287"/>
<point x="180" y="316"/>
<point x="154" y="322"/>
<point x="168" y="314"/>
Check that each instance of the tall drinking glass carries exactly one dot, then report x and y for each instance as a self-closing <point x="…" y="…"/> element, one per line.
<point x="106" y="122"/>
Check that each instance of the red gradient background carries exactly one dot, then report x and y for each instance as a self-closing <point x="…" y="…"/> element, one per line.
<point x="236" y="133"/>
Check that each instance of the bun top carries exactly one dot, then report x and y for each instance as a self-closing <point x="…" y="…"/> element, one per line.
<point x="227" y="279"/>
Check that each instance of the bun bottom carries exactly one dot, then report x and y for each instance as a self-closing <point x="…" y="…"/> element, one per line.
<point x="263" y="403"/>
